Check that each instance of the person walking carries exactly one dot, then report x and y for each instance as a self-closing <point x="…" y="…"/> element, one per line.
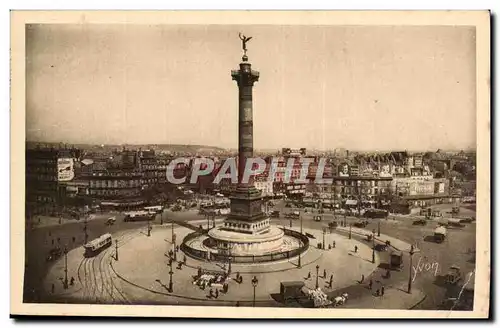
<point x="53" y="289"/>
<point x="382" y="290"/>
<point x="362" y="278"/>
<point x="216" y="293"/>
<point x="334" y="244"/>
<point x="331" y="280"/>
<point x="211" y="293"/>
<point x="324" y="273"/>
<point x="370" y="284"/>
<point x="72" y="281"/>
<point x="309" y="275"/>
<point x="355" y="249"/>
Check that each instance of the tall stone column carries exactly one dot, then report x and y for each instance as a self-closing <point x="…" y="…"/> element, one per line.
<point x="245" y="78"/>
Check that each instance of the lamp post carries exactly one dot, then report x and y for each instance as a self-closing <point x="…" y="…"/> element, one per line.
<point x="324" y="232"/>
<point x="373" y="246"/>
<point x="409" y="269"/>
<point x="65" y="268"/>
<point x="378" y="231"/>
<point x="171" y="282"/>
<point x="207" y="216"/>
<point x="161" y="216"/>
<point x="116" y="249"/>
<point x="350" y="230"/>
<point x="317" y="276"/>
<point x="255" y="282"/>
<point x="149" y="227"/>
<point x="86" y="235"/>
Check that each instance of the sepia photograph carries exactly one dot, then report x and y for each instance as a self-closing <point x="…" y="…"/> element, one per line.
<point x="251" y="164"/>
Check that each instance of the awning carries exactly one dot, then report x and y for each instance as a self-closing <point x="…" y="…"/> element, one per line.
<point x="351" y="202"/>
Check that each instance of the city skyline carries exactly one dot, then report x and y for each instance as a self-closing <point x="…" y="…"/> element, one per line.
<point x="115" y="84"/>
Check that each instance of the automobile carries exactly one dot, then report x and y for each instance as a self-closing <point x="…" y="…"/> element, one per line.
<point x="317" y="218"/>
<point x="111" y="221"/>
<point x="332" y="225"/>
<point x="275" y="214"/>
<point x="454" y="275"/>
<point x="176" y="208"/>
<point x="288" y="205"/>
<point x="321" y="211"/>
<point x="420" y="222"/>
<point x="361" y="224"/>
<point x="466" y="220"/>
<point x="455" y="223"/>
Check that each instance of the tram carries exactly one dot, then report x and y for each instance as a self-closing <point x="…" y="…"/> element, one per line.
<point x="97" y="245"/>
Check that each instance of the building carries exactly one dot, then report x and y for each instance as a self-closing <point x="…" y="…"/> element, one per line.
<point x="46" y="169"/>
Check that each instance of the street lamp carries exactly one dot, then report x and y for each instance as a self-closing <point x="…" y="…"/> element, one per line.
<point x="171" y="283"/>
<point x="378" y="232"/>
<point x="317" y="276"/>
<point x="350" y="230"/>
<point x="116" y="247"/>
<point x="373" y="246"/>
<point x="149" y="227"/>
<point x="85" y="230"/>
<point x="409" y="269"/>
<point x="324" y="232"/>
<point x="65" y="268"/>
<point x="255" y="282"/>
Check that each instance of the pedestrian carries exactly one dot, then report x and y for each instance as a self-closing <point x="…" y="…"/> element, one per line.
<point x="329" y="246"/>
<point x="216" y="293"/>
<point x="377" y="293"/>
<point x="334" y="244"/>
<point x="237" y="303"/>
<point x="53" y="288"/>
<point x="72" y="281"/>
<point x="362" y="278"/>
<point x="199" y="271"/>
<point x="309" y="275"/>
<point x="52" y="241"/>
<point x="355" y="249"/>
<point x="382" y="290"/>
<point x="331" y="280"/>
<point x="324" y="273"/>
<point x="211" y="293"/>
<point x="370" y="284"/>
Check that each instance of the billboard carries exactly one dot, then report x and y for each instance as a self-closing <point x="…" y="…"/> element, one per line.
<point x="421" y="188"/>
<point x="65" y="169"/>
<point x="344" y="170"/>
<point x="440" y="188"/>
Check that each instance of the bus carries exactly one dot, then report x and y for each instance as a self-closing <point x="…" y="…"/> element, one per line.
<point x="154" y="209"/>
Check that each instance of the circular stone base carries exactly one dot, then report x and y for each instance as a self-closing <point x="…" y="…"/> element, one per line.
<point x="248" y="244"/>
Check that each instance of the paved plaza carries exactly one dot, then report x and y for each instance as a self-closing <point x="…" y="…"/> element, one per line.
<point x="141" y="273"/>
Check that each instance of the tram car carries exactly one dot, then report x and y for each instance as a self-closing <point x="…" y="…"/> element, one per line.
<point x="97" y="245"/>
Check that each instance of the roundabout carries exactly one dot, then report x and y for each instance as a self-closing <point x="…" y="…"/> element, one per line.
<point x="141" y="273"/>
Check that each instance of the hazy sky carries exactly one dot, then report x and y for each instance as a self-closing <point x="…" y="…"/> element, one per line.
<point x="323" y="87"/>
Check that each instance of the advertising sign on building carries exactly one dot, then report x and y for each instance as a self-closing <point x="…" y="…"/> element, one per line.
<point x="343" y="170"/>
<point x="439" y="188"/>
<point x="421" y="188"/>
<point x="65" y="169"/>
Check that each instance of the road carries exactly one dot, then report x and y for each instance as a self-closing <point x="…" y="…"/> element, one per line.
<point x="456" y="250"/>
